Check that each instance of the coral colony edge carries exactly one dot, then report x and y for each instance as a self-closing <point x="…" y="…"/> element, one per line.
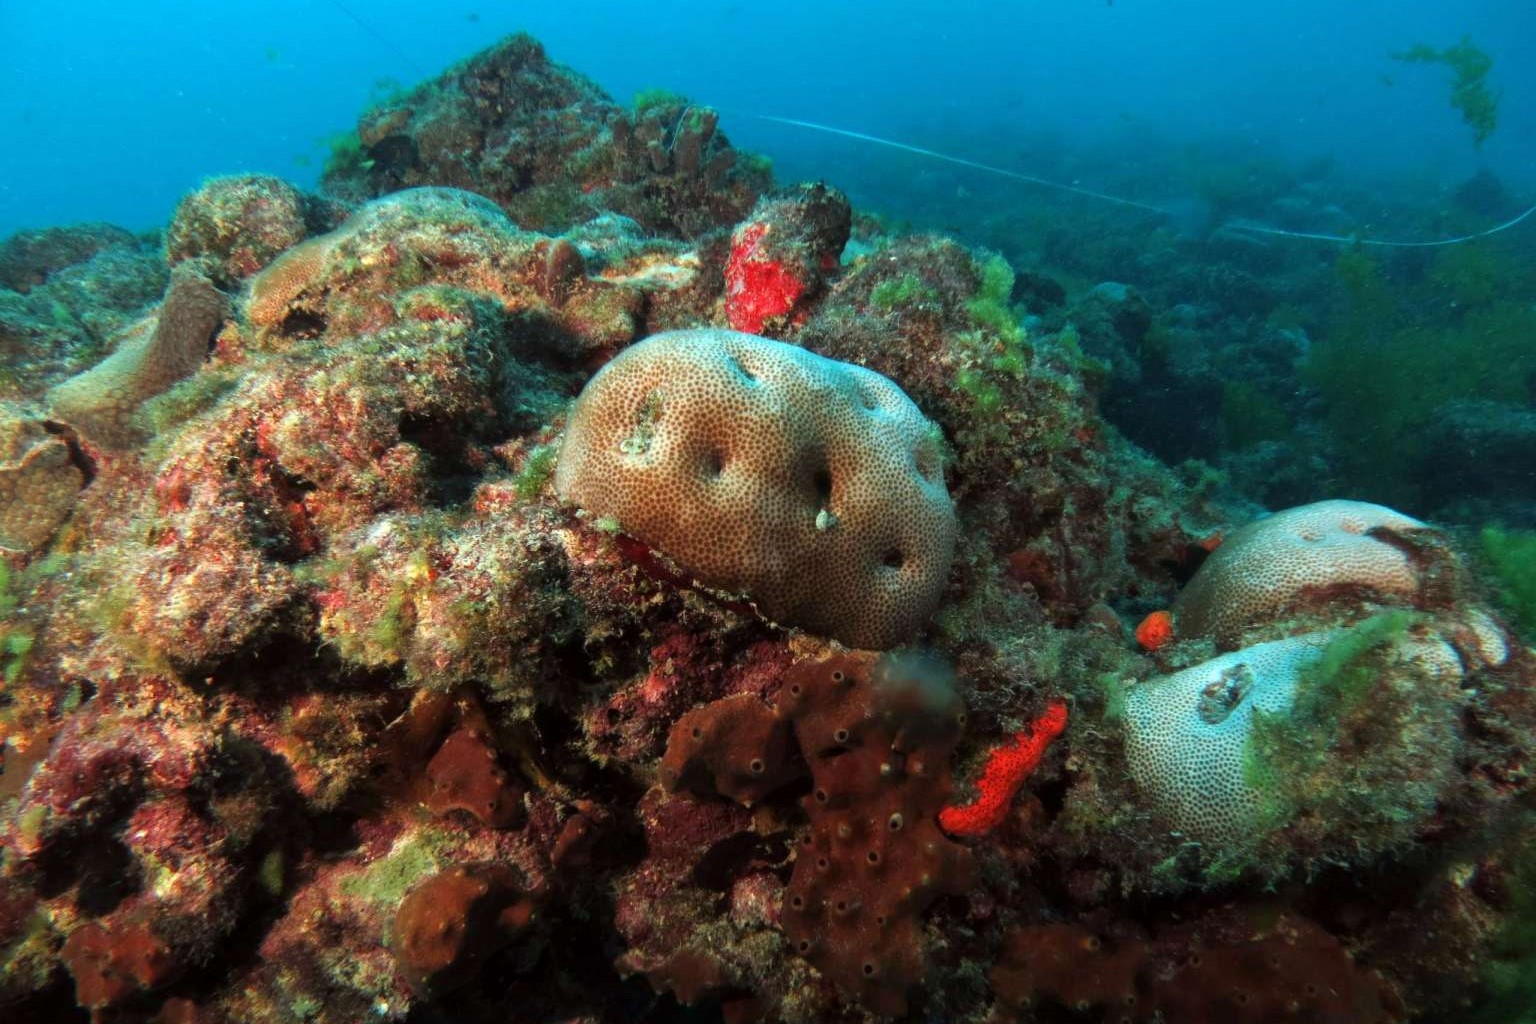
<point x="556" y="574"/>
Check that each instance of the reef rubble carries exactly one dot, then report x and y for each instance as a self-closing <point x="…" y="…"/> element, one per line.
<point x="368" y="654"/>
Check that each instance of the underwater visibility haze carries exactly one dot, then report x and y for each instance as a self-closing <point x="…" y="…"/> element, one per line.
<point x="686" y="512"/>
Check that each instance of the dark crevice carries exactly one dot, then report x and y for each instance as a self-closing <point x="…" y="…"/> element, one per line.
<point x="453" y="475"/>
<point x="77" y="454"/>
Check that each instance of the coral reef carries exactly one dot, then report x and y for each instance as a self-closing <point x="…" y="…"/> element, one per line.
<point x="438" y="610"/>
<point x="1339" y="726"/>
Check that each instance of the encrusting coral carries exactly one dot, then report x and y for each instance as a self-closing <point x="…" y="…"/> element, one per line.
<point x="39" y="481"/>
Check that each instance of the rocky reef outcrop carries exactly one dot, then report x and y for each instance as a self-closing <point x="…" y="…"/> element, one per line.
<point x="355" y="668"/>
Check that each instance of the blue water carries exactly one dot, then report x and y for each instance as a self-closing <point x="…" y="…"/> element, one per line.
<point x="111" y="111"/>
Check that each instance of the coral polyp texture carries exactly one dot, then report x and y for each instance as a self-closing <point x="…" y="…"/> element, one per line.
<point x="1188" y="736"/>
<point x="813" y="488"/>
<point x="1298" y="557"/>
<point x="39" y="481"/>
<point x="100" y="402"/>
<point x="1333" y="746"/>
<point x="418" y="603"/>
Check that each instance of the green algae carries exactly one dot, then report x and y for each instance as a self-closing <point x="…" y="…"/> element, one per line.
<point x="187" y="399"/>
<point x="345" y="156"/>
<point x="1511" y="557"/>
<point x="1394" y="355"/>
<point x="906" y="290"/>
<point x="536" y="471"/>
<point x="1342" y="677"/>
<point x="1509" y="964"/>
<point x="1470" y="95"/>
<point x="1250" y="417"/>
<point x="386" y="881"/>
<point x="656" y="98"/>
<point x="1358" y="761"/>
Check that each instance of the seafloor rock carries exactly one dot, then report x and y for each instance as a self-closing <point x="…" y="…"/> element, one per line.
<point x="552" y="149"/>
<point x="66" y="294"/>
<point x="1480" y="453"/>
<point x="30" y="258"/>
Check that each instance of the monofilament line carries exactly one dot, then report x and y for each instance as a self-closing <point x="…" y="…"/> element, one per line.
<point x="1236" y="225"/>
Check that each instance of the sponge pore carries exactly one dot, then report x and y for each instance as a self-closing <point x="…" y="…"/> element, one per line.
<point x="813" y="487"/>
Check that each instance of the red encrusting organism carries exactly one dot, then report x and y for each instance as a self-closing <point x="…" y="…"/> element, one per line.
<point x="1155" y="631"/>
<point x="1006" y="769"/>
<point x="757" y="286"/>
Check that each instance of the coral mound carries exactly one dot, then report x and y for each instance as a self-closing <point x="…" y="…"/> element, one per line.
<point x="1352" y="734"/>
<point x="1187" y="735"/>
<point x="233" y="226"/>
<point x="814" y="487"/>
<point x="1299" y="556"/>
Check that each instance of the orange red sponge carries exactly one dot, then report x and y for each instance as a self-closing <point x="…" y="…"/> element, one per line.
<point x="1006" y="769"/>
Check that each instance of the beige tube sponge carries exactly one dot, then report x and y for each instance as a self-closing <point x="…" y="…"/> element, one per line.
<point x="815" y="488"/>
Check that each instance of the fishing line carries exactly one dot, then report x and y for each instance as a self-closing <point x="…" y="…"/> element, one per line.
<point x="932" y="154"/>
<point x="1265" y="229"/>
<point x="1252" y="227"/>
<point x="1235" y="225"/>
<point x="380" y="37"/>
